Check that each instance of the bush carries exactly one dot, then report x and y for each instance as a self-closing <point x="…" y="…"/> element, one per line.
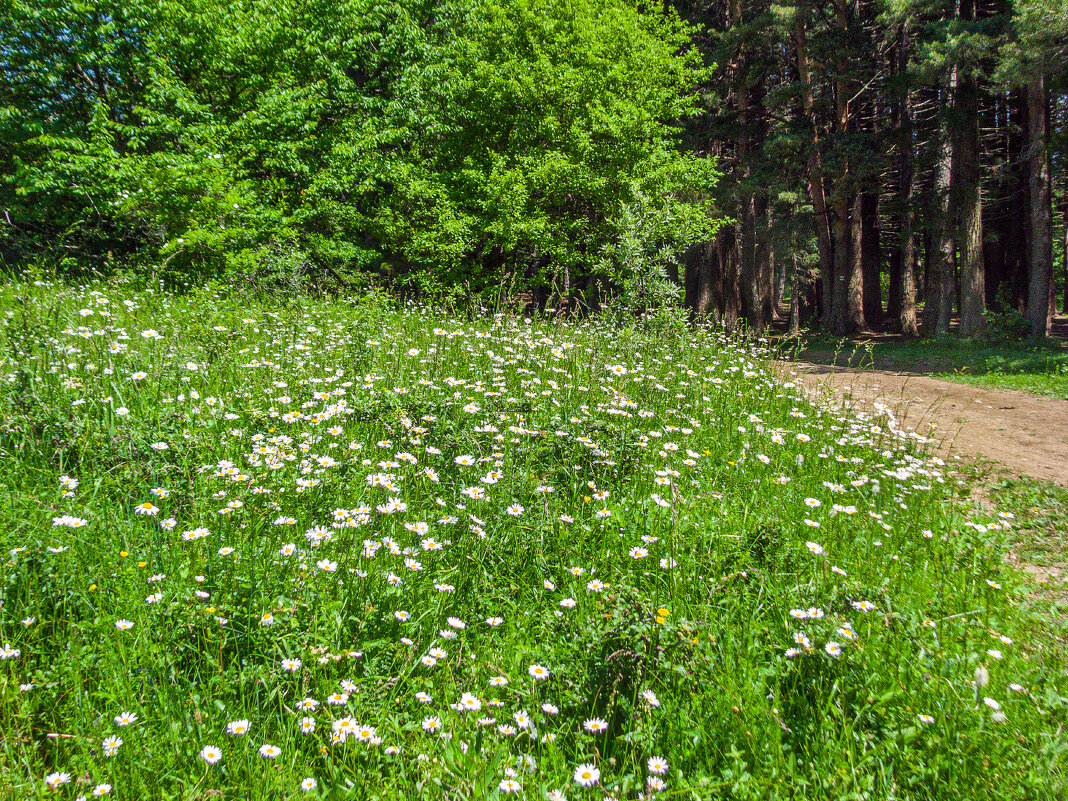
<point x="1005" y="323"/>
<point x="470" y="139"/>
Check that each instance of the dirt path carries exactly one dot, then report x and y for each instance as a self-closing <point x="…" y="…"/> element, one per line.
<point x="1025" y="434"/>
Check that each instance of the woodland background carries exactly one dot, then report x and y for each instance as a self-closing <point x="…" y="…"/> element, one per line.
<point x="848" y="164"/>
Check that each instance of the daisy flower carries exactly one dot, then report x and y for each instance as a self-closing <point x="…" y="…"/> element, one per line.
<point x="587" y="775"/>
<point x="53" y="781"/>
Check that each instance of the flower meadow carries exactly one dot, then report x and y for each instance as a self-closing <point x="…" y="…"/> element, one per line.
<point x="306" y="548"/>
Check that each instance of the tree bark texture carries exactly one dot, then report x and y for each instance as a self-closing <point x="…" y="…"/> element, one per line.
<point x="969" y="198"/>
<point x="1040" y="283"/>
<point x="871" y="258"/>
<point x="939" y="288"/>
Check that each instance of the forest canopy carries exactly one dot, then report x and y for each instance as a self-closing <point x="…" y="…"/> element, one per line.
<point x="851" y="164"/>
<point x="435" y="143"/>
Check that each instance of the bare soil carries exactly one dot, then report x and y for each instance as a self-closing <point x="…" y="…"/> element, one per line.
<point x="1025" y="434"/>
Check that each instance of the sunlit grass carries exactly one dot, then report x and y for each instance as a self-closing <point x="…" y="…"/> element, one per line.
<point x="407" y="555"/>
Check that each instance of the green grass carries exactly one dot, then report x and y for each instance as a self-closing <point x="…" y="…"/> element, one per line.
<point x="1041" y="511"/>
<point x="665" y="554"/>
<point x="1041" y="369"/>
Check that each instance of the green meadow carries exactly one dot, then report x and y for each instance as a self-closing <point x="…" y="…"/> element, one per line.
<point x="314" y="548"/>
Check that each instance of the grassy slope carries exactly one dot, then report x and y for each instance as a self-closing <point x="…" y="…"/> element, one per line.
<point x="772" y="507"/>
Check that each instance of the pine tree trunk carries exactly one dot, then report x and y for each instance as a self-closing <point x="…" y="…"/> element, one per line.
<point x="728" y="301"/>
<point x="816" y="189"/>
<point x="1018" y="243"/>
<point x="770" y="307"/>
<point x="903" y="284"/>
<point x="994" y="119"/>
<point x="779" y="269"/>
<point x="968" y="196"/>
<point x="1064" y="244"/>
<point x="939" y="288"/>
<point x="794" y="325"/>
<point x="855" y="282"/>
<point x="1040" y="283"/>
<point x="906" y="247"/>
<point x="751" y="266"/>
<point x="843" y="239"/>
<point x="970" y="236"/>
<point x="871" y="258"/>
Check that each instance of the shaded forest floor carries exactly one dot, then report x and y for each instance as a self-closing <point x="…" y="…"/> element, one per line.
<point x="1041" y="370"/>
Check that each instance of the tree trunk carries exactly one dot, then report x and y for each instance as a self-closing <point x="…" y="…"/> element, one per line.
<point x="939" y="288"/>
<point x="906" y="247"/>
<point x="997" y="202"/>
<point x="839" y="300"/>
<point x="871" y="258"/>
<point x="1040" y="283"/>
<point x="1018" y="243"/>
<point x="903" y="284"/>
<point x="968" y="195"/>
<point x="726" y="295"/>
<point x="778" y="266"/>
<point x="855" y="291"/>
<point x="1064" y="244"/>
<point x="794" y="325"/>
<point x="816" y="190"/>
<point x="770" y="311"/>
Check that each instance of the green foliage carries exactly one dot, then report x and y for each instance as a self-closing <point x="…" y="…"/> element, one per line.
<point x="462" y="139"/>
<point x="650" y="238"/>
<point x="1005" y="322"/>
